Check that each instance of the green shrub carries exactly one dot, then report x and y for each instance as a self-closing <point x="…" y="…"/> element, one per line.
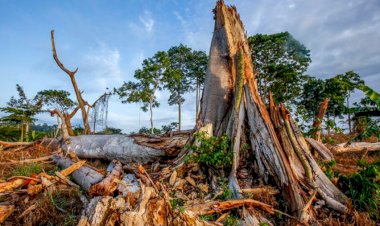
<point x="327" y="168"/>
<point x="212" y="151"/>
<point x="231" y="221"/>
<point x="363" y="188"/>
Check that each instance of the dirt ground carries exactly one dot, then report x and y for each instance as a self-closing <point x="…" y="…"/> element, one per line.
<point x="63" y="205"/>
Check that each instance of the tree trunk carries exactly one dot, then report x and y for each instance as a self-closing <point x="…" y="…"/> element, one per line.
<point x="349" y="113"/>
<point x="69" y="127"/>
<point x="356" y="147"/>
<point x="78" y="94"/>
<point x="27" y="126"/>
<point x="317" y="125"/>
<point x="65" y="132"/>
<point x="22" y="132"/>
<point x="82" y="105"/>
<point x="179" y="111"/>
<point x="56" y="132"/>
<point x="231" y="105"/>
<point x="197" y="102"/>
<point x="151" y="117"/>
<point x="126" y="149"/>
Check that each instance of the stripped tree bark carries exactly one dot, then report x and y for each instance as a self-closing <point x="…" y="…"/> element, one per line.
<point x="317" y="125"/>
<point x="71" y="74"/>
<point x="231" y="102"/>
<point x="134" y="148"/>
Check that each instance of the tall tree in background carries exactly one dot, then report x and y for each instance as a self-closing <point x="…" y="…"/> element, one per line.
<point x="197" y="72"/>
<point x="149" y="81"/>
<point x="351" y="81"/>
<point x="82" y="103"/>
<point x="279" y="60"/>
<point x="177" y="79"/>
<point x="21" y="111"/>
<point x="313" y="93"/>
<point x="61" y="104"/>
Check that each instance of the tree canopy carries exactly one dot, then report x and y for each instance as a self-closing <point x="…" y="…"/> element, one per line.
<point x="280" y="61"/>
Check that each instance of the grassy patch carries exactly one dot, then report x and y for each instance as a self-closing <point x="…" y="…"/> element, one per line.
<point x="363" y="188"/>
<point x="27" y="169"/>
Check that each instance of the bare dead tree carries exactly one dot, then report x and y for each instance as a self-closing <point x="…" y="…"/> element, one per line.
<point x="317" y="125"/>
<point x="81" y="102"/>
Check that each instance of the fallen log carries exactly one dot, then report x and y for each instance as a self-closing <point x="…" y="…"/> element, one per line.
<point x="126" y="149"/>
<point x="355" y="147"/>
<point x="84" y="176"/>
<point x="109" y="184"/>
<point x="322" y="150"/>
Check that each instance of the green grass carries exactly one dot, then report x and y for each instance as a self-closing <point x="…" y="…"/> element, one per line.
<point x="363" y="188"/>
<point x="27" y="169"/>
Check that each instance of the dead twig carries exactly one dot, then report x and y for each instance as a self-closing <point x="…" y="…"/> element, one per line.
<point x="41" y="159"/>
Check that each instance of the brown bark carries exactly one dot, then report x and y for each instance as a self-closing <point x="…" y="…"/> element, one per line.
<point x="5" y="211"/>
<point x="71" y="74"/>
<point x="322" y="150"/>
<point x="317" y="125"/>
<point x="231" y="102"/>
<point x="65" y="132"/>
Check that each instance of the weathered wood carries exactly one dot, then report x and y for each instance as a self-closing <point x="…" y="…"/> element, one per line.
<point x="9" y="186"/>
<point x="355" y="147"/>
<point x="124" y="148"/>
<point x="218" y="207"/>
<point x="280" y="151"/>
<point x="84" y="176"/>
<point x="5" y="211"/>
<point x="110" y="183"/>
<point x="317" y="125"/>
<point x="322" y="150"/>
<point x="96" y="212"/>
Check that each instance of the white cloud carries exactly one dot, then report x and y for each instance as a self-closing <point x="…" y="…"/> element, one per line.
<point x="147" y="20"/>
<point x="101" y="67"/>
<point x="144" y="26"/>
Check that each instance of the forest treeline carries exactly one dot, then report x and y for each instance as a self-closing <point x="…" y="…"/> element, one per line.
<point x="281" y="64"/>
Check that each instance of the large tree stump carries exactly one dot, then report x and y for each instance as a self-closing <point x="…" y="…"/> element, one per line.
<point x="231" y="105"/>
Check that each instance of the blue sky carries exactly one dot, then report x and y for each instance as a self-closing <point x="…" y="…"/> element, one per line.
<point x="108" y="40"/>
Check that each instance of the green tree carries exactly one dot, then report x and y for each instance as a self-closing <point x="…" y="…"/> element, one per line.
<point x="149" y="81"/>
<point x="61" y="104"/>
<point x="351" y="81"/>
<point x="21" y="111"/>
<point x="313" y="93"/>
<point x="177" y="80"/>
<point x="186" y="73"/>
<point x="197" y="73"/>
<point x="279" y="60"/>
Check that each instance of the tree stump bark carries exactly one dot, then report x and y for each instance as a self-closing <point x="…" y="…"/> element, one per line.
<point x="231" y="105"/>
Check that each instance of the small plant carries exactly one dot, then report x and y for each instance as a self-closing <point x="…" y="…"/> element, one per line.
<point x="177" y="204"/>
<point x="363" y="188"/>
<point x="208" y="217"/>
<point x="212" y="151"/>
<point x="231" y="221"/>
<point x="327" y="168"/>
<point x="227" y="193"/>
<point x="27" y="170"/>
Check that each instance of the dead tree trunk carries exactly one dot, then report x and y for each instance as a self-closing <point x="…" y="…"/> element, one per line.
<point x="126" y="149"/>
<point x="231" y="105"/>
<point x="71" y="74"/>
<point x="65" y="132"/>
<point x="317" y="125"/>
